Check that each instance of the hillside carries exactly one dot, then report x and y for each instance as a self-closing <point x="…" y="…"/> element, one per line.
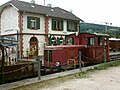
<point x="85" y="27"/>
<point x="91" y="28"/>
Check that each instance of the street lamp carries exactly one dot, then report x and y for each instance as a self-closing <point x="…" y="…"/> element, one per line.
<point x="106" y="25"/>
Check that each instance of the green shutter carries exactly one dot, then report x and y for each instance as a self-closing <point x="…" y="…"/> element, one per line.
<point x="67" y="25"/>
<point x="75" y="25"/>
<point x="28" y="22"/>
<point x="38" y="23"/>
<point x="50" y="41"/>
<point x="62" y="22"/>
<point x="52" y="24"/>
<point x="58" y="41"/>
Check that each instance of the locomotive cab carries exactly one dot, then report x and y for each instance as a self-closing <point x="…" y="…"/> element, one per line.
<point x="97" y="46"/>
<point x="63" y="56"/>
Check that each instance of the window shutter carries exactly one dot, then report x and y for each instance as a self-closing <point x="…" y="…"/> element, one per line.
<point x="67" y="25"/>
<point x="75" y="25"/>
<point x="50" y="41"/>
<point x="28" y="22"/>
<point x="38" y="23"/>
<point x="52" y="24"/>
<point x="62" y="22"/>
<point x="58" y="40"/>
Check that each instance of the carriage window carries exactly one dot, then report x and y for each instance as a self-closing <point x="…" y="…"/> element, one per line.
<point x="70" y="41"/>
<point x="48" y="55"/>
<point x="91" y="40"/>
<point x="99" y="40"/>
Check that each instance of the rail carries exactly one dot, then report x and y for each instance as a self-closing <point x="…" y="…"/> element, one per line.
<point x="114" y="56"/>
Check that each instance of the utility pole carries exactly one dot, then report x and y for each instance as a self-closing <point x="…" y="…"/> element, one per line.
<point x="17" y="51"/>
<point x="106" y="25"/>
<point x="39" y="67"/>
<point x="44" y="2"/>
<point x="80" y="61"/>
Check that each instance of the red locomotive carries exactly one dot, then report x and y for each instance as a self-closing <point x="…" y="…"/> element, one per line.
<point x="94" y="48"/>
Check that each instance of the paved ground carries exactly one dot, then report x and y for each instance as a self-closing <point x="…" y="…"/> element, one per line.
<point x="34" y="80"/>
<point x="99" y="80"/>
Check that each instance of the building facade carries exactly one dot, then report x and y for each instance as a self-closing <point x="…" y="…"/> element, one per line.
<point x="35" y="26"/>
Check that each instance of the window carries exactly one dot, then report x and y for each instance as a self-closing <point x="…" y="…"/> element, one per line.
<point x="70" y="41"/>
<point x="33" y="23"/>
<point x="91" y="40"/>
<point x="99" y="40"/>
<point x="57" y="24"/>
<point x="71" y="26"/>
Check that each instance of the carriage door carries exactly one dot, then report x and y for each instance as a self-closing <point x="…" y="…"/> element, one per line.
<point x="34" y="47"/>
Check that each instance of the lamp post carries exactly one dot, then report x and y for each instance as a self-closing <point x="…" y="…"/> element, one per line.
<point x="17" y="53"/>
<point x="106" y="25"/>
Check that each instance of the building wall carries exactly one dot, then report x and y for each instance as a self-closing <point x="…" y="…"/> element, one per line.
<point x="9" y="21"/>
<point x="42" y="25"/>
<point x="28" y="33"/>
<point x="26" y="44"/>
<point x="10" y="24"/>
<point x="64" y="32"/>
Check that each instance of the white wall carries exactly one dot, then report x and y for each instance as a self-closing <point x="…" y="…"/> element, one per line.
<point x="9" y="20"/>
<point x="26" y="44"/>
<point x="42" y="24"/>
<point x="64" y="32"/>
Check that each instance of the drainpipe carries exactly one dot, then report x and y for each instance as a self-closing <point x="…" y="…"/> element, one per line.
<point x="20" y="35"/>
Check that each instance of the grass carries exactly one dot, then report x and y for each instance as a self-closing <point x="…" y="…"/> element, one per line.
<point x="61" y="79"/>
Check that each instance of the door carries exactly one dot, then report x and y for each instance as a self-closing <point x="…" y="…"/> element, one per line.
<point x="33" y="47"/>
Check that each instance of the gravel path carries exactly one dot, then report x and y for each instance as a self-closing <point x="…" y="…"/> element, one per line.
<point x="99" y="80"/>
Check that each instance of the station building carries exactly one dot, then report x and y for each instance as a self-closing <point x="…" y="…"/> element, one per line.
<point x="35" y="26"/>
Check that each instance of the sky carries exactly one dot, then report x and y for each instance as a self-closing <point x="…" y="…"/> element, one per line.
<point x="91" y="11"/>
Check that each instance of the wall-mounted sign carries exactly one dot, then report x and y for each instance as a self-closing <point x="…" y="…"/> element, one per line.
<point x="11" y="30"/>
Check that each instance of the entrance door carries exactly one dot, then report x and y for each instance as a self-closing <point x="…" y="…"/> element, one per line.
<point x="33" y="47"/>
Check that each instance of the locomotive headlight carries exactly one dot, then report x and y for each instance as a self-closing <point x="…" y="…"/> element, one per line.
<point x="57" y="64"/>
<point x="85" y="46"/>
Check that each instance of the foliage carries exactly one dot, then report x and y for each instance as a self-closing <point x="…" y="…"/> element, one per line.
<point x="92" y="28"/>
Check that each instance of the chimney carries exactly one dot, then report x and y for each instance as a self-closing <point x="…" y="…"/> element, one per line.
<point x="70" y="10"/>
<point x="33" y="1"/>
<point x="49" y="5"/>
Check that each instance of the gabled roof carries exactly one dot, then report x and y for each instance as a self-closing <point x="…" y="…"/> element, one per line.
<point x="35" y="8"/>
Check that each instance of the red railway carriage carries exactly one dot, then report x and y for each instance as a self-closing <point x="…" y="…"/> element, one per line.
<point x="114" y="44"/>
<point x="96" y="44"/>
<point x="63" y="55"/>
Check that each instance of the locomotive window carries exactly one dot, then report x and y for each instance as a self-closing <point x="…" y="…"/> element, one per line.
<point x="70" y="41"/>
<point x="48" y="55"/>
<point x="99" y="40"/>
<point x="91" y="40"/>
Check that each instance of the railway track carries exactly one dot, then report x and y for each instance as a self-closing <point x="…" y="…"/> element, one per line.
<point x="114" y="56"/>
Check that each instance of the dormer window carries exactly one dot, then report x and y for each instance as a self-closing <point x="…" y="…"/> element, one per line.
<point x="33" y="23"/>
